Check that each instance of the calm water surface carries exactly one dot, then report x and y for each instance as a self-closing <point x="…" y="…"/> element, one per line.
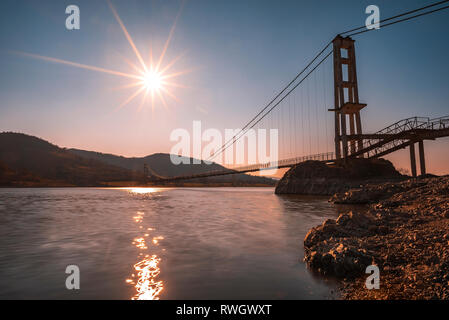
<point x="148" y="243"/>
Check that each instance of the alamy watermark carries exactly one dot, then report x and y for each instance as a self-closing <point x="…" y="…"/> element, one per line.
<point x="72" y="282"/>
<point x="73" y="20"/>
<point x="373" y="20"/>
<point x="250" y="147"/>
<point x="373" y="280"/>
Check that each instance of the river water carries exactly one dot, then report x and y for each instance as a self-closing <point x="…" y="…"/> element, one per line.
<point x="150" y="243"/>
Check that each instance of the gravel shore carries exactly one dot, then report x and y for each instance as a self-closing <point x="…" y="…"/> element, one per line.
<point x="405" y="232"/>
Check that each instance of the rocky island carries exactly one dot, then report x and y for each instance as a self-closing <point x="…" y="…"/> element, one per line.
<point x="317" y="178"/>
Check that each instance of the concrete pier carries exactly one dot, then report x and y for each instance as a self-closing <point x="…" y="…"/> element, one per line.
<point x="422" y="160"/>
<point x="412" y="159"/>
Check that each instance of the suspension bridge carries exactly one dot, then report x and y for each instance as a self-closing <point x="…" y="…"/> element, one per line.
<point x="309" y="129"/>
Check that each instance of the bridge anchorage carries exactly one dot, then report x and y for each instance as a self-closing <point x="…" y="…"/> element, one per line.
<point x="352" y="143"/>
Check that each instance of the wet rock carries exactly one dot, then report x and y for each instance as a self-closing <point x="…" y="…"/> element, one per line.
<point x="405" y="234"/>
<point x="340" y="261"/>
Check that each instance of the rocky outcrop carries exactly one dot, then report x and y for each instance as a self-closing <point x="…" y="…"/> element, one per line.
<point x="372" y="193"/>
<point x="317" y="178"/>
<point x="406" y="234"/>
<point x="343" y="259"/>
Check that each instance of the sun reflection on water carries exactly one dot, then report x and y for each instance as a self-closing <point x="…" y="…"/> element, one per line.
<point x="140" y="243"/>
<point x="156" y="239"/>
<point x="146" y="270"/>
<point x="138" y="190"/>
<point x="138" y="217"/>
<point x="147" y="287"/>
<point x="142" y="190"/>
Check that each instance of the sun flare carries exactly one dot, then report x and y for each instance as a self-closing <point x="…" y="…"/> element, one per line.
<point x="153" y="79"/>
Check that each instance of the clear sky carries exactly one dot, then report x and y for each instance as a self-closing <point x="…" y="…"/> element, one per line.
<point x="238" y="53"/>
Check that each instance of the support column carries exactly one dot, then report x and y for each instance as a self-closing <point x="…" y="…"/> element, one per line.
<point x="344" y="137"/>
<point x="337" y="137"/>
<point x="352" y="131"/>
<point x="358" y="122"/>
<point x="422" y="160"/>
<point x="412" y="159"/>
<point x="346" y="99"/>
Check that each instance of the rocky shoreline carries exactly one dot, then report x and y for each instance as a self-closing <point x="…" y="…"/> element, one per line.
<point x="405" y="232"/>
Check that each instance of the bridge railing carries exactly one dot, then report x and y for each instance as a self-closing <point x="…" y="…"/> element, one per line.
<point x="326" y="156"/>
<point x="395" y="128"/>
<point x="413" y="123"/>
<point x="439" y="123"/>
<point x="404" y="125"/>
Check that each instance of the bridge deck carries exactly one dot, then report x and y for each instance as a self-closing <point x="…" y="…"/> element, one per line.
<point x="390" y="139"/>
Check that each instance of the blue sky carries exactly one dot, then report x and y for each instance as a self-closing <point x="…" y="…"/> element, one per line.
<point x="240" y="54"/>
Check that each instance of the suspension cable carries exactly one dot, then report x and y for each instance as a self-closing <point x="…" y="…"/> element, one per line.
<point x="250" y="124"/>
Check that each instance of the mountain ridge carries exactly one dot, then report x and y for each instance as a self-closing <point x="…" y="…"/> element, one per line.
<point x="30" y="161"/>
<point x="160" y="165"/>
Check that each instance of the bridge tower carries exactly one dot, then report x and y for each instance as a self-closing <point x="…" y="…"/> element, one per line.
<point x="346" y="95"/>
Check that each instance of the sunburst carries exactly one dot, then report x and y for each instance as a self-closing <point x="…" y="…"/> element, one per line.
<point x="151" y="79"/>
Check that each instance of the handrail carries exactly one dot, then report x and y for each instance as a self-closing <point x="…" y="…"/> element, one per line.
<point x="403" y="126"/>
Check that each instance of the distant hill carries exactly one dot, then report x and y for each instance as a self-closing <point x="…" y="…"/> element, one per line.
<point x="160" y="164"/>
<point x="30" y="161"/>
<point x="9" y="177"/>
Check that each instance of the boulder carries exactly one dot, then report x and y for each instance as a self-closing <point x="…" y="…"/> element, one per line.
<point x="318" y="178"/>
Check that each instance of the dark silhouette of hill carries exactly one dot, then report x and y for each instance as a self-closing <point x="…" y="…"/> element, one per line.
<point x="9" y="177"/>
<point x="27" y="160"/>
<point x="160" y="165"/>
<point x="30" y="161"/>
